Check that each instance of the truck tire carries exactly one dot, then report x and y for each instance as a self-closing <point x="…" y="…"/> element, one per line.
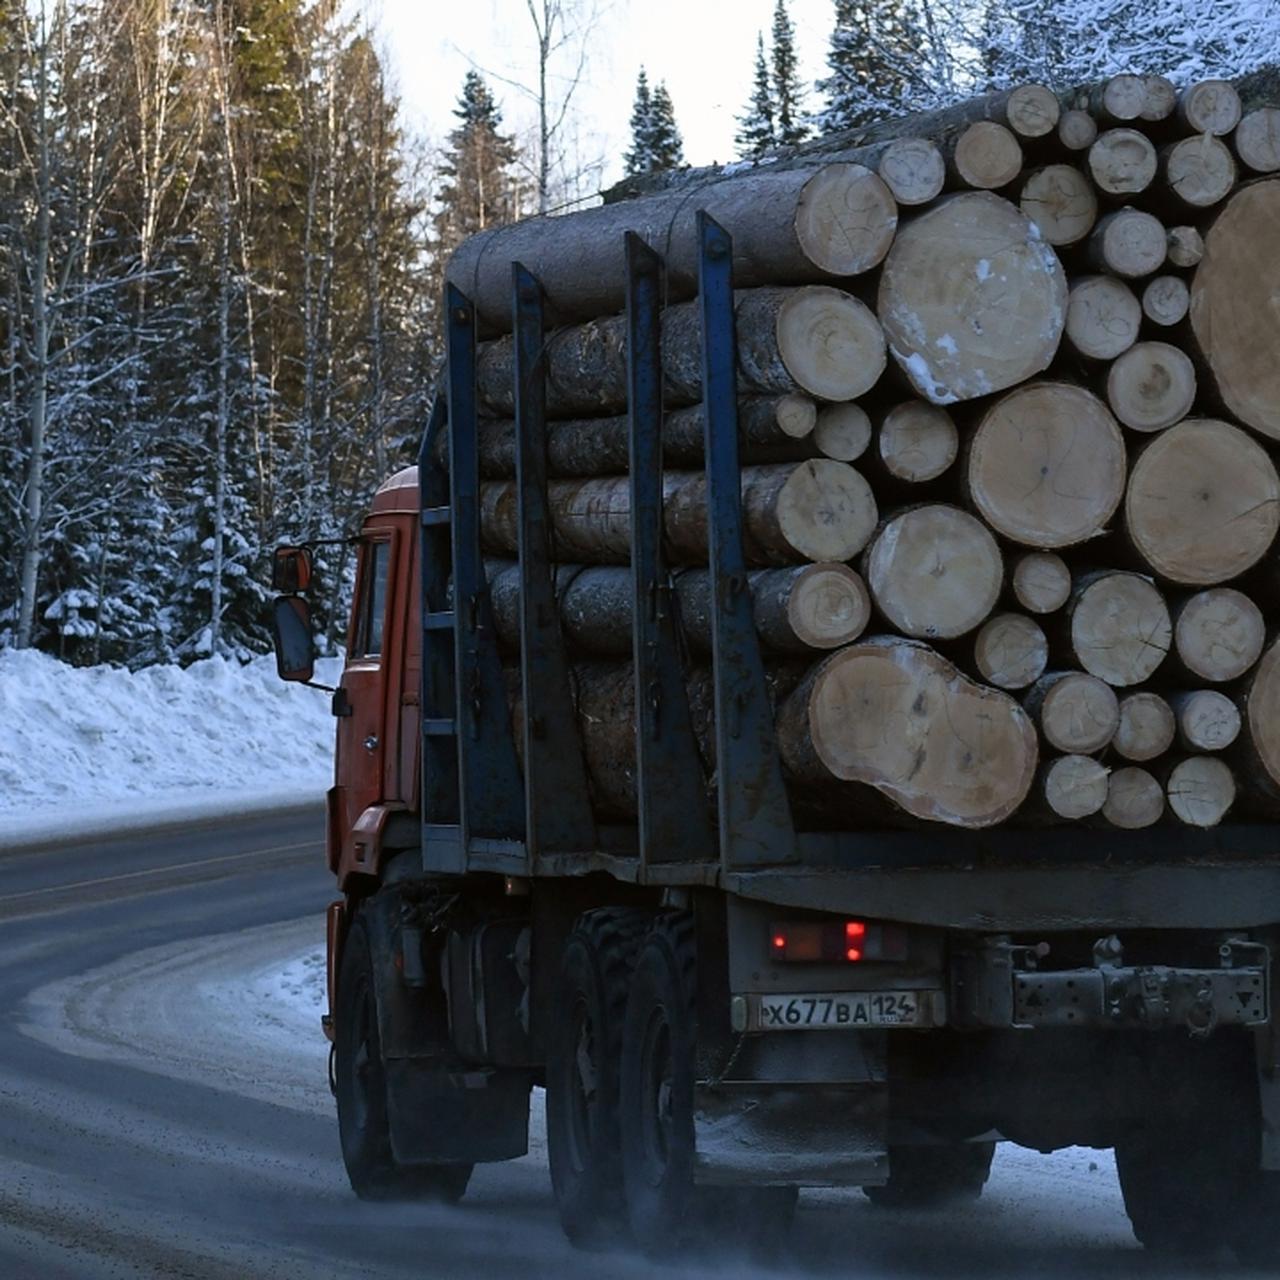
<point x="656" y="1088"/>
<point x="361" y="1093"/>
<point x="930" y="1177"/>
<point x="584" y="1055"/>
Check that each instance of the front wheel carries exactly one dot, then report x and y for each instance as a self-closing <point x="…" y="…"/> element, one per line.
<point x="361" y="1088"/>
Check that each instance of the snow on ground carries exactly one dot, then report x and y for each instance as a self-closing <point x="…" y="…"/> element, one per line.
<point x="99" y="748"/>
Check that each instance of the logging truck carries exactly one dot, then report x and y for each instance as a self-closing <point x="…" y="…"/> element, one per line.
<point x="627" y="806"/>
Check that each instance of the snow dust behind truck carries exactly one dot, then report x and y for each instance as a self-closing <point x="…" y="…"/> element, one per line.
<point x="628" y="803"/>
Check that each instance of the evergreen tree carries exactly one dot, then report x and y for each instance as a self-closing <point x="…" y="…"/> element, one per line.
<point x="755" y="126"/>
<point x="639" y="159"/>
<point x="667" y="144"/>
<point x="875" y="57"/>
<point x="787" y="92"/>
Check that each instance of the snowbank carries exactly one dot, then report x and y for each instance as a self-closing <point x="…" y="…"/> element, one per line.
<point x="98" y="748"/>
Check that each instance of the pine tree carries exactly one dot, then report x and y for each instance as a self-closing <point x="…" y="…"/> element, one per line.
<point x="788" y="94"/>
<point x="874" y="56"/>
<point x="639" y="159"/>
<point x="756" y="127"/>
<point x="668" y="146"/>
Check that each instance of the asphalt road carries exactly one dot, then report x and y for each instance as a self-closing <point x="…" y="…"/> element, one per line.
<point x="151" y="1126"/>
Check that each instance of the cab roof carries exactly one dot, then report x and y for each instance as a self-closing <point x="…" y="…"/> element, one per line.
<point x="398" y="493"/>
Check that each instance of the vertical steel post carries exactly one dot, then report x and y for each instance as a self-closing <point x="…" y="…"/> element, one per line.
<point x="755" y="814"/>
<point x="557" y="798"/>
<point x="490" y="790"/>
<point x="675" y="824"/>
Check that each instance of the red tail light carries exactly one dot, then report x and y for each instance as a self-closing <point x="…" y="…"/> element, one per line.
<point x="836" y="942"/>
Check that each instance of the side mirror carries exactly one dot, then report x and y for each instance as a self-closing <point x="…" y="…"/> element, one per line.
<point x="291" y="630"/>
<point x="291" y="570"/>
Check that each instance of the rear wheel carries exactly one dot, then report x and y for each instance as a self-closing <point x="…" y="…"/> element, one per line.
<point x="583" y="1060"/>
<point x="930" y="1177"/>
<point x="360" y="1081"/>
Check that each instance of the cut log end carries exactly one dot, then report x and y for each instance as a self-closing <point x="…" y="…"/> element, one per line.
<point x="1047" y="465"/>
<point x="1152" y="386"/>
<point x="934" y="572"/>
<point x="843" y="432"/>
<point x="1060" y="201"/>
<point x="845" y="219"/>
<point x="1078" y="713"/>
<point x="825" y="510"/>
<point x="1103" y="317"/>
<point x="1159" y="100"/>
<point x="918" y="441"/>
<point x="1074" y="787"/>
<point x="1219" y="634"/>
<point x="1041" y="582"/>
<point x="1011" y="651"/>
<point x="1203" y="504"/>
<point x="1120" y="628"/>
<point x="1201" y="791"/>
<point x="1212" y="106"/>
<point x="1147" y="727"/>
<point x="1129" y="242"/>
<point x="1200" y="171"/>
<point x="1207" y="719"/>
<point x="828" y="606"/>
<point x="1262" y="719"/>
<point x="1185" y="246"/>
<point x="1257" y="140"/>
<point x="1120" y="97"/>
<point x="1134" y="799"/>
<point x="914" y="170"/>
<point x="1166" y="301"/>
<point x="795" y="416"/>
<point x="831" y="344"/>
<point x="1077" y="130"/>
<point x="1032" y="110"/>
<point x="1123" y="162"/>
<point x="987" y="156"/>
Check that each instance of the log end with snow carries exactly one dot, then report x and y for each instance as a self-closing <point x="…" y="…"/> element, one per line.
<point x="972" y="298"/>
<point x="917" y="441"/>
<point x="1047" y="465"/>
<point x="1041" y="582"/>
<point x="1135" y="799"/>
<point x="896" y="716"/>
<point x="1074" y="787"/>
<point x="1120" y="628"/>
<point x="1010" y="651"/>
<point x="1151" y="386"/>
<point x="1201" y="790"/>
<point x="1219" y="634"/>
<point x="1147" y="727"/>
<point x="934" y="572"/>
<point x="1203" y="504"/>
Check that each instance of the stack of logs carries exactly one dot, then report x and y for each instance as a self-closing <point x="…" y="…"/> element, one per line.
<point x="1010" y="407"/>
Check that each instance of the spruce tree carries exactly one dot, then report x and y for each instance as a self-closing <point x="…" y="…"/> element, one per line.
<point x="875" y="54"/>
<point x="668" y="146"/>
<point x="756" y="125"/>
<point x="639" y="159"/>
<point x="787" y="92"/>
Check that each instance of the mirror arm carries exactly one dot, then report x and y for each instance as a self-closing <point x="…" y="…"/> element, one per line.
<point x="312" y="684"/>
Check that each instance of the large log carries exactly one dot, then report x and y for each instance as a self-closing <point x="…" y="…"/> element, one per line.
<point x="817" y="510"/>
<point x="1201" y="789"/>
<point x="791" y="227"/>
<point x="1218" y="634"/>
<point x="1203" y="504"/>
<point x="1151" y="386"/>
<point x="1207" y="719"/>
<point x="1046" y="465"/>
<point x="1041" y="582"/>
<point x="1200" y="171"/>
<point x="934" y="572"/>
<point x="1011" y="651"/>
<point x="1060" y="201"/>
<point x="1210" y="106"/>
<point x="896" y="716"/>
<point x="1233" y="313"/>
<point x="1135" y="799"/>
<point x="1147" y="727"/>
<point x="813" y="339"/>
<point x="917" y="442"/>
<point x="972" y="299"/>
<point x="1120" y="630"/>
<point x="1073" y="787"/>
<point x="1077" y="713"/>
<point x="1103" y="317"/>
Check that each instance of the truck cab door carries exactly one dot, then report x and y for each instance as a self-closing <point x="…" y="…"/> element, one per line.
<point x="363" y="726"/>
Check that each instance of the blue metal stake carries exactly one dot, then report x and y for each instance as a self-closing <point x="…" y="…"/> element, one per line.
<point x="675" y="824"/>
<point x="756" y="828"/>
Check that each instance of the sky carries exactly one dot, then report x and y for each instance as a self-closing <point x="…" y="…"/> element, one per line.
<point x="703" y="50"/>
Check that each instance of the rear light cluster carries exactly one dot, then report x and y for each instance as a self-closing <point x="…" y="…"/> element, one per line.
<point x="835" y="942"/>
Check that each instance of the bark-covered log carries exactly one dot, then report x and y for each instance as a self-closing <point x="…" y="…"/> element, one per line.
<point x="1152" y="386"/>
<point x="813" y="339"/>
<point x="1257" y="140"/>
<point x="817" y="510"/>
<point x="934" y="572"/>
<point x="792" y="227"/>
<point x="914" y="170"/>
<point x="1119" y="627"/>
<point x="1077" y="713"/>
<point x="842" y="432"/>
<point x="1129" y="242"/>
<point x="985" y="156"/>
<point x="1103" y="317"/>
<point x="1207" y="719"/>
<point x="1203" y="503"/>
<point x="1147" y="727"/>
<point x="972" y="299"/>
<point x="1233" y="313"/>
<point x="1077" y="130"/>
<point x="1122" y="162"/>
<point x="917" y="442"/>
<point x="1201" y="790"/>
<point x="1210" y="106"/>
<point x="1135" y="799"/>
<point x="1218" y="634"/>
<point x="1061" y="202"/>
<point x="1185" y="246"/>
<point x="1199" y="171"/>
<point x="893" y="715"/>
<point x="1046" y="465"/>
<point x="1010" y="651"/>
<point x="1166" y="301"/>
<point x="1073" y="787"/>
<point x="1041" y="582"/>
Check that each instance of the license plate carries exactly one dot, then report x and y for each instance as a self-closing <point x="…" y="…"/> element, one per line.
<point x="846" y="1010"/>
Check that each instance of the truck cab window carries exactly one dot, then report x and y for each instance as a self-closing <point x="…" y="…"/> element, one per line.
<point x="373" y="600"/>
